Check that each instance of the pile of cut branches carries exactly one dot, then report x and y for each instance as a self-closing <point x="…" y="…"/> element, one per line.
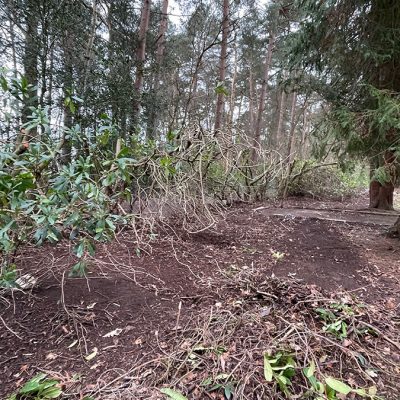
<point x="271" y="339"/>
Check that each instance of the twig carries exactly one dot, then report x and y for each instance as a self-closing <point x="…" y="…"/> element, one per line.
<point x="9" y="329"/>
<point x="395" y="344"/>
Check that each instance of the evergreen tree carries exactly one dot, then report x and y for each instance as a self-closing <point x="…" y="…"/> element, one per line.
<point x="349" y="53"/>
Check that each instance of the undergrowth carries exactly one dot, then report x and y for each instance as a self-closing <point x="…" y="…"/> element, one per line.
<point x="83" y="184"/>
<point x="308" y="178"/>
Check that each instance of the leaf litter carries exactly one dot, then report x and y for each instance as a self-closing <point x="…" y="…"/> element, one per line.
<point x="236" y="350"/>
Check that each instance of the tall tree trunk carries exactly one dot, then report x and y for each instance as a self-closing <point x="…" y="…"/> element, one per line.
<point x="276" y="143"/>
<point x="233" y="87"/>
<point x="174" y="96"/>
<point x="290" y="146"/>
<point x="49" y="97"/>
<point x="304" y="132"/>
<point x="291" y="138"/>
<point x="45" y="43"/>
<point x="251" y="104"/>
<point x="264" y="86"/>
<point x="385" y="76"/>
<point x="222" y="66"/>
<point x="67" y="45"/>
<point x="13" y="52"/>
<point x="141" y="58"/>
<point x="161" y="36"/>
<point x="30" y="60"/>
<point x="119" y="79"/>
<point x="153" y="119"/>
<point x="89" y="56"/>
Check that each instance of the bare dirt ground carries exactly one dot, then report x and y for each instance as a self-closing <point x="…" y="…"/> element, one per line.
<point x="132" y="309"/>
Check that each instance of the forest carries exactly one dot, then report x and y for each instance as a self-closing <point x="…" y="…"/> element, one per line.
<point x="199" y="199"/>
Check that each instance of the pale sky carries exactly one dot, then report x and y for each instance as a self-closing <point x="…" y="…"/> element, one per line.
<point x="175" y="9"/>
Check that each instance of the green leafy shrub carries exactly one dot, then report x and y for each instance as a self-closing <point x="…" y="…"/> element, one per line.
<point x="44" y="197"/>
<point x="331" y="182"/>
<point x="8" y="276"/>
<point x="280" y="367"/>
<point x="38" y="388"/>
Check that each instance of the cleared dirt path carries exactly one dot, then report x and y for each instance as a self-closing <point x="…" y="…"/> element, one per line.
<point x="365" y="217"/>
<point x="148" y="296"/>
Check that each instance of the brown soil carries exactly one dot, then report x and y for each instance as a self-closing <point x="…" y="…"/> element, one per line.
<point x="149" y="295"/>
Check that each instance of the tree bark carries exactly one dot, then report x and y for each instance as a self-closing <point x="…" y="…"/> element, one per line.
<point x="381" y="196"/>
<point x="233" y="87"/>
<point x="13" y="51"/>
<point x="89" y="56"/>
<point x="264" y="86"/>
<point x="281" y="111"/>
<point x="251" y="104"/>
<point x="161" y="33"/>
<point x="291" y="138"/>
<point x="67" y="45"/>
<point x="30" y="61"/>
<point x="304" y="132"/>
<point x="381" y="193"/>
<point x="153" y="119"/>
<point x="141" y="58"/>
<point x="222" y="66"/>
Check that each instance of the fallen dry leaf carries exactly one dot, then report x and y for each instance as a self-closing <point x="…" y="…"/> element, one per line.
<point x="391" y="303"/>
<point x="113" y="333"/>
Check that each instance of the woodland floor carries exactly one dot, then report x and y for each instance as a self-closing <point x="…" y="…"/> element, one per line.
<point x="329" y="247"/>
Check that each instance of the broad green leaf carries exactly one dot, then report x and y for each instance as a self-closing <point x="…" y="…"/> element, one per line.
<point x="90" y="248"/>
<point x="32" y="385"/>
<point x="268" y="373"/>
<point x="7" y="227"/>
<point x="48" y="383"/>
<point x="79" y="249"/>
<point x="111" y="225"/>
<point x="283" y="382"/>
<point x="78" y="270"/>
<point x="360" y="392"/>
<point x="51" y="393"/>
<point x="339" y="386"/>
<point x="206" y="382"/>
<point x="228" y="390"/>
<point x="172" y="394"/>
<point x="308" y="372"/>
<point x="282" y="379"/>
<point x="53" y="234"/>
<point x="330" y="393"/>
<point x="4" y="83"/>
